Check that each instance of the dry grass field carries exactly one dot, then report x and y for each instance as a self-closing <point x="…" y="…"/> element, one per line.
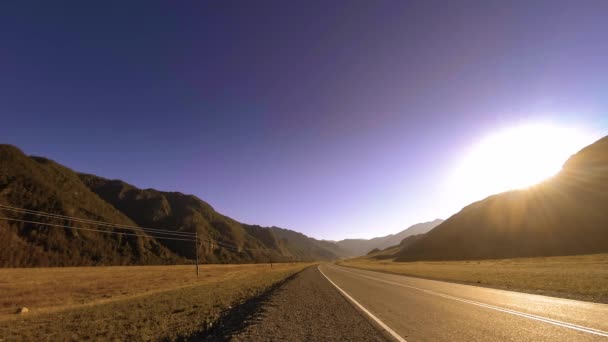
<point x="582" y="277"/>
<point x="126" y="303"/>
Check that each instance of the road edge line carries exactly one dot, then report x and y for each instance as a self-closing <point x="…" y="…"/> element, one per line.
<point x="492" y="307"/>
<point x="375" y="319"/>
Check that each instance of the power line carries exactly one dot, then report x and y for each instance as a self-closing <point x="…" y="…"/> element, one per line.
<point x="188" y="236"/>
<point x="101" y="223"/>
<point x="231" y="247"/>
<point x="220" y="244"/>
<point x="145" y="232"/>
<point x="91" y="229"/>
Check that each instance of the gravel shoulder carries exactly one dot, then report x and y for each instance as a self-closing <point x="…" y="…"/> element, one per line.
<point x="306" y="308"/>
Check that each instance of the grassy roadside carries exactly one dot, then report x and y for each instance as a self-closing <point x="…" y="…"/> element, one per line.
<point x="581" y="277"/>
<point x="179" y="308"/>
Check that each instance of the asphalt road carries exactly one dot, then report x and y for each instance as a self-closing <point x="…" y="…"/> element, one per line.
<point x="414" y="309"/>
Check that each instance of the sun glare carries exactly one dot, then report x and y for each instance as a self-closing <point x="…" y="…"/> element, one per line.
<point x="516" y="158"/>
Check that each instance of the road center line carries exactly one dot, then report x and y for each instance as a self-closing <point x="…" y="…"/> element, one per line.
<point x="488" y="306"/>
<point x="376" y="319"/>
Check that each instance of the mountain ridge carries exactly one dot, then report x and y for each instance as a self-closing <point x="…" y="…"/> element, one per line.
<point x="359" y="247"/>
<point x="566" y="214"/>
<point x="40" y="184"/>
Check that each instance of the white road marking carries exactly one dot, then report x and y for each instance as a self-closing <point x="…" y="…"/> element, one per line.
<point x="493" y="307"/>
<point x="376" y="319"/>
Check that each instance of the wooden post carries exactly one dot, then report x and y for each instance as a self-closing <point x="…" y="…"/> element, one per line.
<point x="196" y="251"/>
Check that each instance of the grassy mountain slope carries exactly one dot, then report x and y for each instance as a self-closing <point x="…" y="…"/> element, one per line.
<point x="43" y="185"/>
<point x="237" y="242"/>
<point x="358" y="247"/>
<point x="390" y="252"/>
<point x="299" y="245"/>
<point x="565" y="215"/>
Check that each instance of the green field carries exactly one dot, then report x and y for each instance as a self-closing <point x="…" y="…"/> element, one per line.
<point x="126" y="303"/>
<point x="582" y="277"/>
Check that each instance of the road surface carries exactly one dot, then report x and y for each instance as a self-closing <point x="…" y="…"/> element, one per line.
<point x="413" y="309"/>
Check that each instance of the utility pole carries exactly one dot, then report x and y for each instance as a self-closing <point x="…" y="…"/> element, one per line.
<point x="196" y="252"/>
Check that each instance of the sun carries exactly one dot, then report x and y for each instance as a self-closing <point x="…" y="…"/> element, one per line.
<point x="516" y="158"/>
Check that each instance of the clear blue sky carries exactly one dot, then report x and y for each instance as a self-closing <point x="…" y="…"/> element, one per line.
<point x="334" y="118"/>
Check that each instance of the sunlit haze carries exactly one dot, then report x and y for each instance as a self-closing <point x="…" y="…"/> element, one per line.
<point x="515" y="158"/>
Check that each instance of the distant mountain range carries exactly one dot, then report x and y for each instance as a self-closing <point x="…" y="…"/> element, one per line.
<point x="564" y="215"/>
<point x="358" y="247"/>
<point x="42" y="185"/>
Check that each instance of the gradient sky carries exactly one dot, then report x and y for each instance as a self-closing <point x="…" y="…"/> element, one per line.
<point x="334" y="118"/>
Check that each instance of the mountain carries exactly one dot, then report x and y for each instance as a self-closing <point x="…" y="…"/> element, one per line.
<point x="39" y="184"/>
<point x="43" y="185"/>
<point x="358" y="247"/>
<point x="301" y="245"/>
<point x="564" y="215"/>
<point x="393" y="251"/>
